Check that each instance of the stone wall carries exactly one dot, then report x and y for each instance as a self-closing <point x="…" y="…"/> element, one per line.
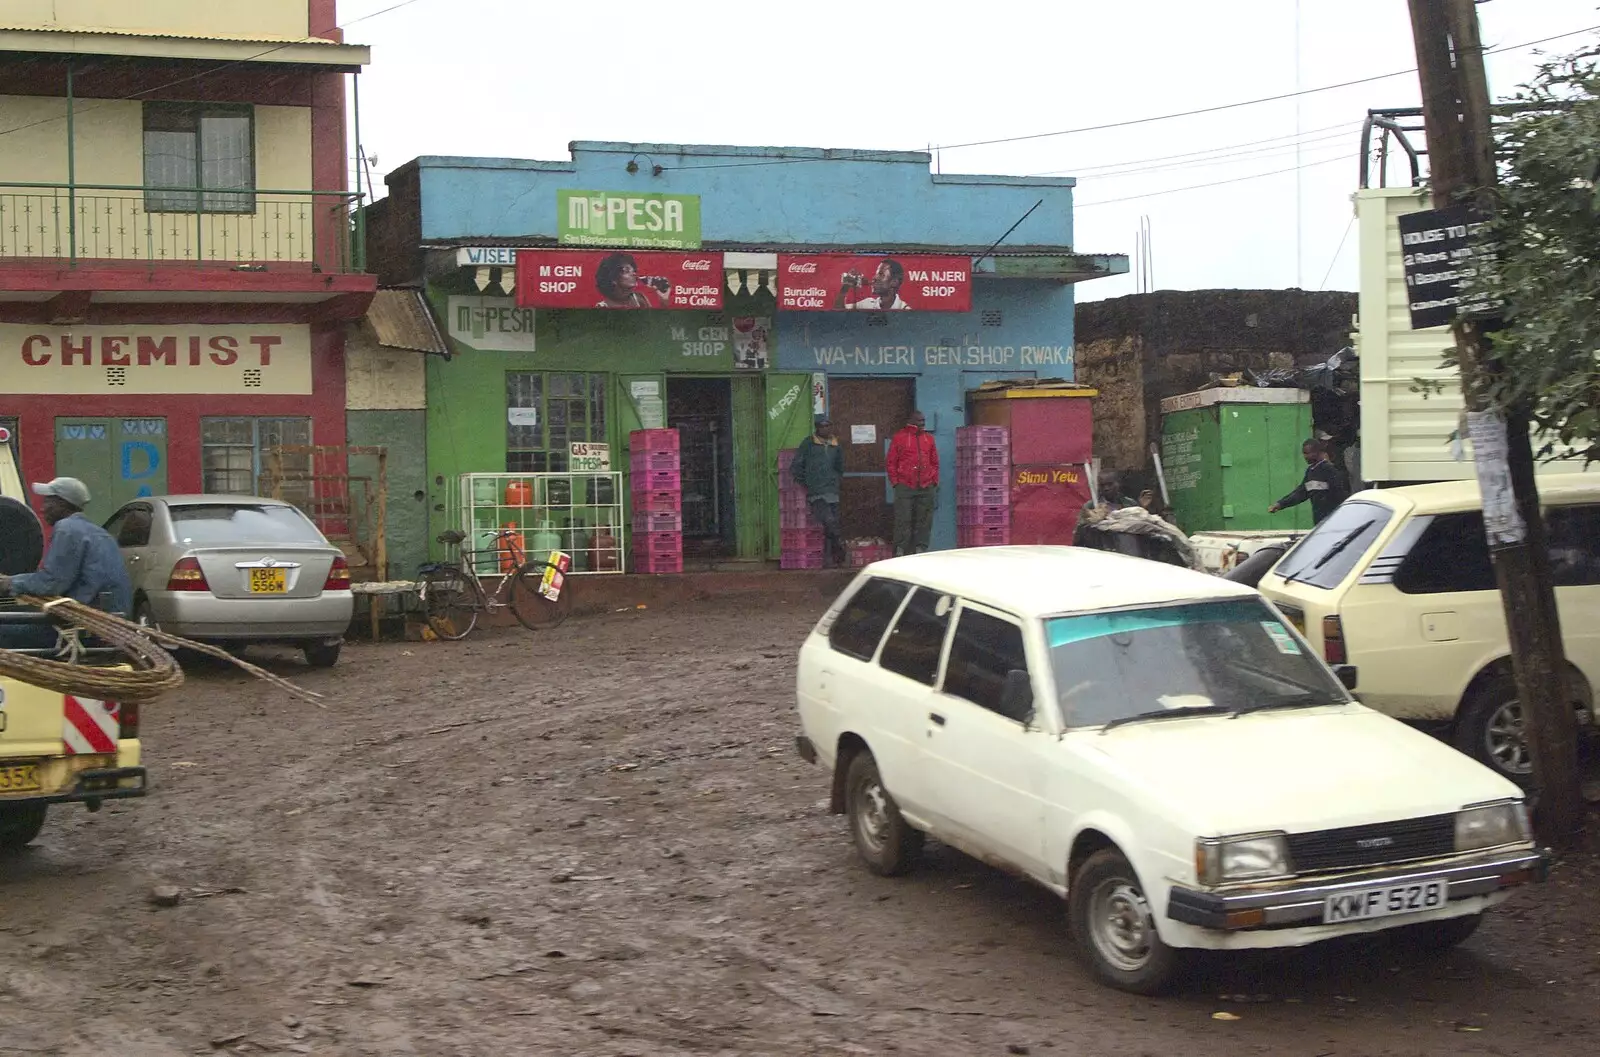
<point x="1140" y="349"/>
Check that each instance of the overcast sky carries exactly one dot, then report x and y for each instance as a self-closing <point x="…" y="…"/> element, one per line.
<point x="523" y="78"/>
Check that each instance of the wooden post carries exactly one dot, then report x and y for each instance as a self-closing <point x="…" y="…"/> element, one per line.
<point x="1455" y="97"/>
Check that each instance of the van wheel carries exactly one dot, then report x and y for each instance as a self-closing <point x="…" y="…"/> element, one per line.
<point x="19" y="824"/>
<point x="1115" y="928"/>
<point x="1490" y="729"/>
<point x="886" y="842"/>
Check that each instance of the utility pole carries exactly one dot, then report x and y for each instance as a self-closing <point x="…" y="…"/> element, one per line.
<point x="1456" y="111"/>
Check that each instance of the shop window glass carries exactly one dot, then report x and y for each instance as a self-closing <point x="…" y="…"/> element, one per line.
<point x="1452" y="555"/>
<point x="202" y="156"/>
<point x="560" y="409"/>
<point x="234" y="452"/>
<point x="913" y="647"/>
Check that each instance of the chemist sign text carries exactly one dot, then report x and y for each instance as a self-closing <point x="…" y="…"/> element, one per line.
<point x="269" y="360"/>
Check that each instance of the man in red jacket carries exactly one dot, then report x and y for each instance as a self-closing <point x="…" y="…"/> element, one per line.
<point x="914" y="473"/>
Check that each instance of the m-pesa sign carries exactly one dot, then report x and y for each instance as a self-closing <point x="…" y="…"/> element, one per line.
<point x="148" y="360"/>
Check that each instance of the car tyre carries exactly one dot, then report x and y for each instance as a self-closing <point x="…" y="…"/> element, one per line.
<point x="1489" y="728"/>
<point x="886" y="842"/>
<point x="1436" y="937"/>
<point x="1115" y="929"/>
<point x="20" y="824"/>
<point x="321" y="654"/>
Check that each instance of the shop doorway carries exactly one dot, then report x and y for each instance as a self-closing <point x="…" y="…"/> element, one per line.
<point x="118" y="458"/>
<point x="701" y="409"/>
<point x="866" y="412"/>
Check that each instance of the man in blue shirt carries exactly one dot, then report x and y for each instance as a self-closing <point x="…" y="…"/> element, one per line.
<point x="83" y="562"/>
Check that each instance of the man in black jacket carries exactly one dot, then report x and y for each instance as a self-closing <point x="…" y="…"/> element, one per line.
<point x="1323" y="484"/>
<point x="819" y="466"/>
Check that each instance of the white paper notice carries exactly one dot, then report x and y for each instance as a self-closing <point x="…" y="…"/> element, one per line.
<point x="863" y="434"/>
<point x="642" y="389"/>
<point x="1501" y="518"/>
<point x="522" y="416"/>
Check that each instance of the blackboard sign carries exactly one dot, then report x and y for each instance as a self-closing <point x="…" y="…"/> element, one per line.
<point x="1441" y="250"/>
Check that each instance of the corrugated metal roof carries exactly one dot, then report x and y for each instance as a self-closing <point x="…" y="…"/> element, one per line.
<point x="400" y="319"/>
<point x="160" y="34"/>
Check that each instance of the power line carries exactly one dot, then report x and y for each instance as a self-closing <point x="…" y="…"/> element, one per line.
<point x="1221" y="159"/>
<point x="204" y="73"/>
<point x="868" y="155"/>
<point x="1079" y="171"/>
<point x="1215" y="183"/>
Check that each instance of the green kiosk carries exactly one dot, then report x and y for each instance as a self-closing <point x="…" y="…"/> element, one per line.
<point x="1230" y="453"/>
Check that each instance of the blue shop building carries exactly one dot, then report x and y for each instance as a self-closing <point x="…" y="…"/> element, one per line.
<point x="523" y="384"/>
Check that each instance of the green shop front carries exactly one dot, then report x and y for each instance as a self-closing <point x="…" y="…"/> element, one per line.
<point x="529" y="420"/>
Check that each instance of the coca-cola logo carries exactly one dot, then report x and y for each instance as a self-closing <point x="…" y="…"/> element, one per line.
<point x="802" y="269"/>
<point x="697" y="266"/>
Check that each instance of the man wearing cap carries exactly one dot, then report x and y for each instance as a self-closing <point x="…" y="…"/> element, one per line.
<point x="819" y="466"/>
<point x="83" y="561"/>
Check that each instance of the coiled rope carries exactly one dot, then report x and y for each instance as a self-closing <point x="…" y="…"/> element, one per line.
<point x="150" y="672"/>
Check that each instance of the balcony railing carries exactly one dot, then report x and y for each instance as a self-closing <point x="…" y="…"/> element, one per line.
<point x="320" y="230"/>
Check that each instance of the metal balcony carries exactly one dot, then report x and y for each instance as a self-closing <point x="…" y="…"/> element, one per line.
<point x="66" y="225"/>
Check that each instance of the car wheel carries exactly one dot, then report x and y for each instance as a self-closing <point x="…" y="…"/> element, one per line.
<point x="19" y="824"/>
<point x="321" y="654"/>
<point x="1490" y="729"/>
<point x="886" y="842"/>
<point x="1115" y="929"/>
<point x="1438" y="936"/>
<point x="143" y="615"/>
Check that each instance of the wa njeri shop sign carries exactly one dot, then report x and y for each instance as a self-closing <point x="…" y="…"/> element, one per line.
<point x="627" y="220"/>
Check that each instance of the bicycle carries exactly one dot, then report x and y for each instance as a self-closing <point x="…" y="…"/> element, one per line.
<point x="536" y="590"/>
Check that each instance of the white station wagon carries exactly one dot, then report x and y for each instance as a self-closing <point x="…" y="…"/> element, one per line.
<point x="1155" y="745"/>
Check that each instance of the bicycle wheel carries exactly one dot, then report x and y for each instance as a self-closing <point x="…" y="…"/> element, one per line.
<point x="451" y="600"/>
<point x="530" y="606"/>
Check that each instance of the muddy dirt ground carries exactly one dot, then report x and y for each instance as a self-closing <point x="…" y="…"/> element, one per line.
<point x="599" y="840"/>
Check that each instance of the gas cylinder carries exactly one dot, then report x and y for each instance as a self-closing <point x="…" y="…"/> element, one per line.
<point x="519" y="493"/>
<point x="511" y="547"/>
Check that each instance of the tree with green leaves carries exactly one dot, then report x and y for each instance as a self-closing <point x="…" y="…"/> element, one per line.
<point x="1546" y="271"/>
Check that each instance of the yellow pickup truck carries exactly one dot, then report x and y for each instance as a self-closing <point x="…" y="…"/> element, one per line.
<point x="54" y="748"/>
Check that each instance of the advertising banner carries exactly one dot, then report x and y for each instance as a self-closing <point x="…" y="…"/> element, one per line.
<point x="628" y="220"/>
<point x="601" y="279"/>
<point x="839" y="282"/>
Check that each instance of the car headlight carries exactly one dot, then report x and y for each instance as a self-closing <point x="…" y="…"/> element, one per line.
<point x="1492" y="825"/>
<point x="1252" y="858"/>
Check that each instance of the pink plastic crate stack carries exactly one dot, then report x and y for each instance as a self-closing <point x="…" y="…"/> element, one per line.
<point x="657" y="490"/>
<point x="802" y="543"/>
<point x="983" y="486"/>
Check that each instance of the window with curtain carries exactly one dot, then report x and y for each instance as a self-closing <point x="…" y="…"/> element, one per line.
<point x="199" y="158"/>
<point x="234" y="452"/>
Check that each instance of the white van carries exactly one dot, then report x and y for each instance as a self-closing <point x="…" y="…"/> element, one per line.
<point x="1398" y="583"/>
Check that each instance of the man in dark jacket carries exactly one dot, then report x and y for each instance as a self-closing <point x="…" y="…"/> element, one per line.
<point x="819" y="466"/>
<point x="1323" y="484"/>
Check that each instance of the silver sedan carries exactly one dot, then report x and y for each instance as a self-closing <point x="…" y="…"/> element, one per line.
<point x="235" y="569"/>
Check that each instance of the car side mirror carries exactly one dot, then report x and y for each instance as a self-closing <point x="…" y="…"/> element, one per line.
<point x="1016" y="698"/>
<point x="1346" y="674"/>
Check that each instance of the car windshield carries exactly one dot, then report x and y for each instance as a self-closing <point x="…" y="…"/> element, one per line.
<point x="1231" y="655"/>
<point x="242" y="523"/>
<point x="1324" y="558"/>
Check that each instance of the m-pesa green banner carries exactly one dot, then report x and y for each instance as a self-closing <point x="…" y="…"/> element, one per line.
<point x="628" y="220"/>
